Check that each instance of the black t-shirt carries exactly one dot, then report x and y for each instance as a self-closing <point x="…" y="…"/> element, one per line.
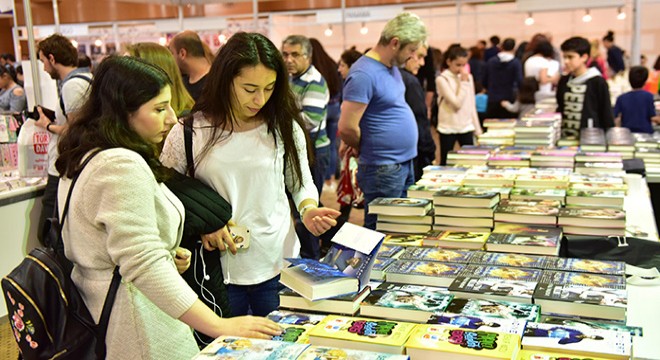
<point x="195" y="89"/>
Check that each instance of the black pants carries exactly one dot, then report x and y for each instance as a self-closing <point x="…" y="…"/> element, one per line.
<point x="447" y="142"/>
<point x="48" y="204"/>
<point x="496" y="111"/>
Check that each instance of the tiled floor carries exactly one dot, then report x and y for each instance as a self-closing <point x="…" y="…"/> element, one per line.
<point x="9" y="350"/>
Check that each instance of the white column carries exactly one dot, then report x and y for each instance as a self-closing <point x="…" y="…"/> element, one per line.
<point x="636" y="33"/>
<point x="56" y="16"/>
<point x="34" y="57"/>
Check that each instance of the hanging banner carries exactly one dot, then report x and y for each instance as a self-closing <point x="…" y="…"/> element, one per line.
<point x="359" y="14"/>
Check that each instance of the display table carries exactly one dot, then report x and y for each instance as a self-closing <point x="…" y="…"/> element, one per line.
<point x="19" y="217"/>
<point x="640" y="217"/>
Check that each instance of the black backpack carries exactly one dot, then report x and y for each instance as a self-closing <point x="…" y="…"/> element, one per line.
<point x="46" y="312"/>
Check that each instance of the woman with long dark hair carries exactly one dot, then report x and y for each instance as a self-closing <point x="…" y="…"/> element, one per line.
<point x="249" y="146"/>
<point x="123" y="215"/>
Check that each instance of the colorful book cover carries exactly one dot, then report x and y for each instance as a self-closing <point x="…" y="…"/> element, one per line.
<point x="332" y="353"/>
<point x="596" y="193"/>
<point x="483" y="323"/>
<point x="577" y="340"/>
<point x="520" y="289"/>
<point x="458" y="237"/>
<point x="586" y="265"/>
<point x="294" y="318"/>
<point x="502" y="272"/>
<point x="545" y="355"/>
<point x="549" y="240"/>
<point x="444" y="339"/>
<point x="583" y="279"/>
<point x="593" y="213"/>
<point x="377" y="271"/>
<point x="316" y="271"/>
<point x="351" y="262"/>
<point x="388" y="251"/>
<point x="400" y="206"/>
<point x="229" y="347"/>
<point x="530" y="203"/>
<point x="527" y="229"/>
<point x="293" y="334"/>
<point x="425" y="268"/>
<point x="467" y="192"/>
<point x="538" y="192"/>
<point x="592" y="324"/>
<point x="374" y="331"/>
<point x="508" y="259"/>
<point x="494" y="308"/>
<point x="410" y="297"/>
<point x="403" y="240"/>
<point x="580" y="294"/>
<point x="436" y="254"/>
<point x="527" y="210"/>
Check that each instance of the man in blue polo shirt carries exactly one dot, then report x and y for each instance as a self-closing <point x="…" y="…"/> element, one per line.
<point x="376" y="123"/>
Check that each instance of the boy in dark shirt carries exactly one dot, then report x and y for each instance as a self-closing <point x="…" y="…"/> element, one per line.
<point x="634" y="109"/>
<point x="583" y="94"/>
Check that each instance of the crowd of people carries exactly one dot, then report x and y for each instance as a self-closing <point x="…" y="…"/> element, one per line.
<point x="264" y="127"/>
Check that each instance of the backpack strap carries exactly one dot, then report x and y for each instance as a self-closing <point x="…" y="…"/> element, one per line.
<point x="79" y="76"/>
<point x="102" y="327"/>
<point x="188" y="142"/>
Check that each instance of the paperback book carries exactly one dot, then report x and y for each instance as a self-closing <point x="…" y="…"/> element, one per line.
<point x="491" y="288"/>
<point x="483" y="323"/>
<point x="586" y="265"/>
<point x="345" y="304"/>
<point x="425" y="188"/>
<point x="584" y="279"/>
<point x="577" y="341"/>
<point x="593" y="324"/>
<point x="526" y="239"/>
<point x="429" y="273"/>
<point x="403" y="239"/>
<point x="592" y="217"/>
<point x="229" y="347"/>
<point x="362" y="334"/>
<point x="539" y="215"/>
<point x="494" y="308"/>
<point x="456" y="239"/>
<point x="595" y="198"/>
<point x="551" y="355"/>
<point x="332" y="353"/>
<point x="378" y="270"/>
<point x="405" y="302"/>
<point x="502" y="272"/>
<point x="538" y="194"/>
<point x="466" y="197"/>
<point x="436" y="254"/>
<point x="400" y="206"/>
<point x="579" y="300"/>
<point x="437" y="341"/>
<point x="508" y="259"/>
<point x="389" y="251"/>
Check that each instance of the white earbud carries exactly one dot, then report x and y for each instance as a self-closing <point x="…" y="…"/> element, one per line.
<point x="207" y="277"/>
<point x="226" y="282"/>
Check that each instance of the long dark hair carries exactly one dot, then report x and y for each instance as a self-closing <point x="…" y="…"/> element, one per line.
<point x="280" y="112"/>
<point x="326" y="66"/>
<point x="454" y="51"/>
<point x="120" y="86"/>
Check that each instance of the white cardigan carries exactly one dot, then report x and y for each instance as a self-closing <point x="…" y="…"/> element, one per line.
<point x="457" y="110"/>
<point x="120" y="215"/>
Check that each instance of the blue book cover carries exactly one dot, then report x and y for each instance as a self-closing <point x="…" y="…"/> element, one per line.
<point x="317" y="271"/>
<point x="508" y="259"/>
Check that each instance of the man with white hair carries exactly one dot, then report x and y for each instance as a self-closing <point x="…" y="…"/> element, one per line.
<point x="376" y="122"/>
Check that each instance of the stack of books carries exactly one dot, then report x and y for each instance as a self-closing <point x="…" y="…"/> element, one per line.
<point x="525" y="239"/>
<point x="510" y="158"/>
<point x="427" y="266"/>
<point x="455" y="239"/>
<point x="597" y="182"/>
<point x="597" y="221"/>
<point x="554" y="158"/>
<point x="404" y="302"/>
<point x="497" y="137"/>
<point x="469" y="156"/>
<point x="598" y="162"/>
<point x="539" y="132"/>
<point x="592" y="140"/>
<point x="467" y="209"/>
<point x="534" y="212"/>
<point x="403" y="215"/>
<point x="620" y="140"/>
<point x="599" y="198"/>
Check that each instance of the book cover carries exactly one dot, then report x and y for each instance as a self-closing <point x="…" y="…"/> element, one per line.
<point x="293" y="334"/>
<point x="400" y="206"/>
<point x="538" y="192"/>
<point x="527" y="210"/>
<point x="489" y="287"/>
<point x="592" y="324"/>
<point x="389" y="299"/>
<point x="425" y="268"/>
<point x="466" y="192"/>
<point x="605" y="217"/>
<point x="358" y="329"/>
<point x="549" y="240"/>
<point x="494" y="308"/>
<point x="573" y="340"/>
<point x="586" y="265"/>
<point x="333" y="353"/>
<point x="583" y="279"/>
<point x="403" y="239"/>
<point x="456" y="239"/>
<point x="483" y="323"/>
<point x="380" y="265"/>
<point x="502" y="272"/>
<point x="580" y="300"/>
<point x="430" y="339"/>
<point x="546" y="355"/>
<point x="508" y="259"/>
<point x="511" y="228"/>
<point x="436" y="254"/>
<point x="596" y="193"/>
<point x="230" y="347"/>
<point x="342" y="304"/>
<point x="389" y="251"/>
<point x="530" y="203"/>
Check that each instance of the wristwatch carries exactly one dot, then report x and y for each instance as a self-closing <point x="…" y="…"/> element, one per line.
<point x="48" y="128"/>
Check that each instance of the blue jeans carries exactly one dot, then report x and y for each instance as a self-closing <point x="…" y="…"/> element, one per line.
<point x="383" y="181"/>
<point x="331" y="124"/>
<point x="257" y="300"/>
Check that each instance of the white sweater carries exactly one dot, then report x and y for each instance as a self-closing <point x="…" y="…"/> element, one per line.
<point x="246" y="169"/>
<point x="457" y="110"/>
<point x="120" y="215"/>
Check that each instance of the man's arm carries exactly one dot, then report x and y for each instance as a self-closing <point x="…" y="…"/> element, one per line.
<point x="349" y="123"/>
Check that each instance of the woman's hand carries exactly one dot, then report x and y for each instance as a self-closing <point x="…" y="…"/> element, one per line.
<point x="220" y="239"/>
<point x="182" y="259"/>
<point x="251" y="327"/>
<point x="319" y="220"/>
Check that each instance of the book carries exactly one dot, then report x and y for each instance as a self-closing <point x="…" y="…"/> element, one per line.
<point x="530" y="203"/>
<point x="441" y="211"/>
<point x="425" y="188"/>
<point x="530" y="239"/>
<point x="362" y="334"/>
<point x="489" y="179"/>
<point x="577" y="341"/>
<point x="285" y="317"/>
<point x="455" y="239"/>
<point x="584" y="279"/>
<point x="464" y="221"/>
<point x="492" y="288"/>
<point x="332" y="353"/>
<point x="391" y="227"/>
<point x="429" y="273"/>
<point x="578" y="300"/>
<point x="541" y="215"/>
<point x="586" y="265"/>
<point x="494" y="308"/>
<point x="400" y="206"/>
<point x="541" y="181"/>
<point x="416" y="220"/>
<point x="593" y="324"/>
<point x="594" y="231"/>
<point x="345" y="304"/>
<point x="483" y="323"/>
<point x="405" y="302"/>
<point x="508" y="259"/>
<point x="466" y="197"/>
<point x="441" y="169"/>
<point x="472" y="229"/>
<point x="403" y="239"/>
<point x="345" y="268"/>
<point x="597" y="198"/>
<point x="437" y="341"/>
<point x="378" y="270"/>
<point x="389" y="251"/>
<point x="592" y="217"/>
<point x="436" y="254"/>
<point x="538" y="194"/>
<point x="231" y="347"/>
<point x="502" y="272"/>
<point x="545" y="355"/>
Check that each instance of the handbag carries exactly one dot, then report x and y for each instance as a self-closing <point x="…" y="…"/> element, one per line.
<point x="348" y="191"/>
